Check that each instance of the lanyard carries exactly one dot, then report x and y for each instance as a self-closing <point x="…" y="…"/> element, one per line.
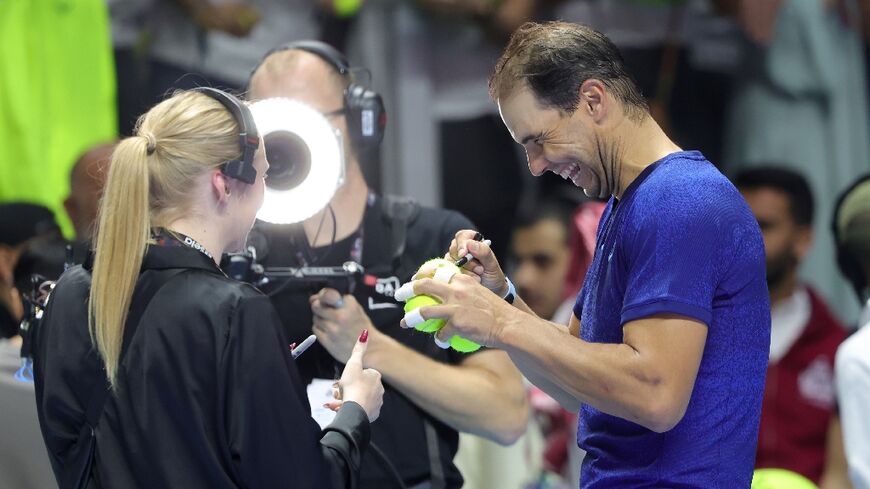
<point x="166" y="237"/>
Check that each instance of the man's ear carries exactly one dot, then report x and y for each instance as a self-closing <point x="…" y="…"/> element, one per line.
<point x="803" y="242"/>
<point x="594" y="99"/>
<point x="72" y="209"/>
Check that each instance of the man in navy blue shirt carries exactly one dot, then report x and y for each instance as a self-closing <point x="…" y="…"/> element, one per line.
<point x="665" y="356"/>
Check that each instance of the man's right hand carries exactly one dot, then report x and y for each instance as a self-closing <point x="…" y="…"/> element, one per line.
<point x="360" y="385"/>
<point x="484" y="264"/>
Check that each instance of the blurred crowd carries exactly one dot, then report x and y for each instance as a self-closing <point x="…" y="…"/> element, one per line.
<point x="774" y="92"/>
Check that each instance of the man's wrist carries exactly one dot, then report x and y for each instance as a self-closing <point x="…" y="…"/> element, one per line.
<point x="510" y="292"/>
<point x="379" y="346"/>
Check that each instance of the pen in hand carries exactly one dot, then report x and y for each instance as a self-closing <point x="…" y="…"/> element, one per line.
<point x="467" y="258"/>
<point x="295" y="352"/>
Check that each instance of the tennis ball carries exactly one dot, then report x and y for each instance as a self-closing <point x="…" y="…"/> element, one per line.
<point x="422" y="300"/>
<point x="460" y="344"/>
<point x="780" y="479"/>
<point x="427" y="270"/>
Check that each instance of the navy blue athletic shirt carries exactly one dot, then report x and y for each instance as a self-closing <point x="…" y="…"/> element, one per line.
<point x="682" y="241"/>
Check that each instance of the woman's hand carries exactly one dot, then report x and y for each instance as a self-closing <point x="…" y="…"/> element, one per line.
<point x="360" y="385"/>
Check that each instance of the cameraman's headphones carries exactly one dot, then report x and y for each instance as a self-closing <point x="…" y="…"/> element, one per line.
<point x="363" y="107"/>
<point x="242" y="168"/>
<point x="849" y="265"/>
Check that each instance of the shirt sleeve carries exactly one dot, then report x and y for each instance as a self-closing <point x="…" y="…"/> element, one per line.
<point x="853" y="392"/>
<point x="272" y="438"/>
<point x="673" y="254"/>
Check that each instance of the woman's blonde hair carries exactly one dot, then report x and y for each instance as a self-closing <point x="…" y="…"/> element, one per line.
<point x="149" y="185"/>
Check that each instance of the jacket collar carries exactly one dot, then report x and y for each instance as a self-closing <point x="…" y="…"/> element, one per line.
<point x="166" y="257"/>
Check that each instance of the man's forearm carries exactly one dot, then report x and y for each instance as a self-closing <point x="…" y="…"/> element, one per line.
<point x="543" y="382"/>
<point x="614" y="378"/>
<point x="539" y="378"/>
<point x="484" y="395"/>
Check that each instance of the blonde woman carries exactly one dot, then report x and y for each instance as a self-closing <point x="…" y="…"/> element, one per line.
<point x="153" y="369"/>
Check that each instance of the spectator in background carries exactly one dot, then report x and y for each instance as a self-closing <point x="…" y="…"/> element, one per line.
<point x="540" y="256"/>
<point x="20" y="223"/>
<point x="801" y="99"/>
<point x="852" y="235"/>
<point x="800" y="429"/>
<point x="87" y="178"/>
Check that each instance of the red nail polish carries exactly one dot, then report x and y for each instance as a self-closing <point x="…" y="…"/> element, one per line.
<point x="364" y="336"/>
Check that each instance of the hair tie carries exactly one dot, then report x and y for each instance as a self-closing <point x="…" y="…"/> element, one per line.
<point x="151" y="143"/>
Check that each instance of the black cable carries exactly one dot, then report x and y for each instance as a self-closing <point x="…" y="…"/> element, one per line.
<point x="319" y="227"/>
<point x="316" y="258"/>
<point x="388" y="465"/>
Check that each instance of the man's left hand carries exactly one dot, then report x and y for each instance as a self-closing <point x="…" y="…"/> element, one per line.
<point x="338" y="321"/>
<point x="472" y="311"/>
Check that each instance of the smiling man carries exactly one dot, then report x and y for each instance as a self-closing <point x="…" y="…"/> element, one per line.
<point x="666" y="353"/>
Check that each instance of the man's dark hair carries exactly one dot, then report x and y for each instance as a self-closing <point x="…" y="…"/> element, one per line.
<point x="555" y="58"/>
<point x="556" y="210"/>
<point x="789" y="182"/>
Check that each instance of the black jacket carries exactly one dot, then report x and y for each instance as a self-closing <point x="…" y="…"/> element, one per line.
<point x="207" y="393"/>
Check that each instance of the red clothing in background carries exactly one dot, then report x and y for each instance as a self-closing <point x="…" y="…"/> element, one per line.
<point x="799" y="398"/>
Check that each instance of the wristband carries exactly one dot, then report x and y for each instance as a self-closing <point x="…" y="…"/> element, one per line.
<point x="511" y="293"/>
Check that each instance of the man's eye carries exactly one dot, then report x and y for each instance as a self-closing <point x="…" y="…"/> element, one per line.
<point x="542" y="261"/>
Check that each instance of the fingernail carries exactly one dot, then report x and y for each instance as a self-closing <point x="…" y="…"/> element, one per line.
<point x="364" y="336"/>
<point x="478" y="236"/>
<point x="339" y="303"/>
<point x="292" y="345"/>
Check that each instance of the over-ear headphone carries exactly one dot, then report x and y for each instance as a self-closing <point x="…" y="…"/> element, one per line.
<point x="363" y="107"/>
<point x="243" y="168"/>
<point x="848" y="263"/>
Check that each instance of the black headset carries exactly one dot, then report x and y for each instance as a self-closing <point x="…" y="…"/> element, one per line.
<point x="848" y="263"/>
<point x="243" y="168"/>
<point x="363" y="107"/>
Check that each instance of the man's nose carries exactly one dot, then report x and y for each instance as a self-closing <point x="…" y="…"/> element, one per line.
<point x="524" y="275"/>
<point x="537" y="162"/>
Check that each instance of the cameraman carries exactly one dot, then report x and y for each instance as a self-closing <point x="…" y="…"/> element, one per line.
<point x="430" y="393"/>
<point x="152" y="368"/>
